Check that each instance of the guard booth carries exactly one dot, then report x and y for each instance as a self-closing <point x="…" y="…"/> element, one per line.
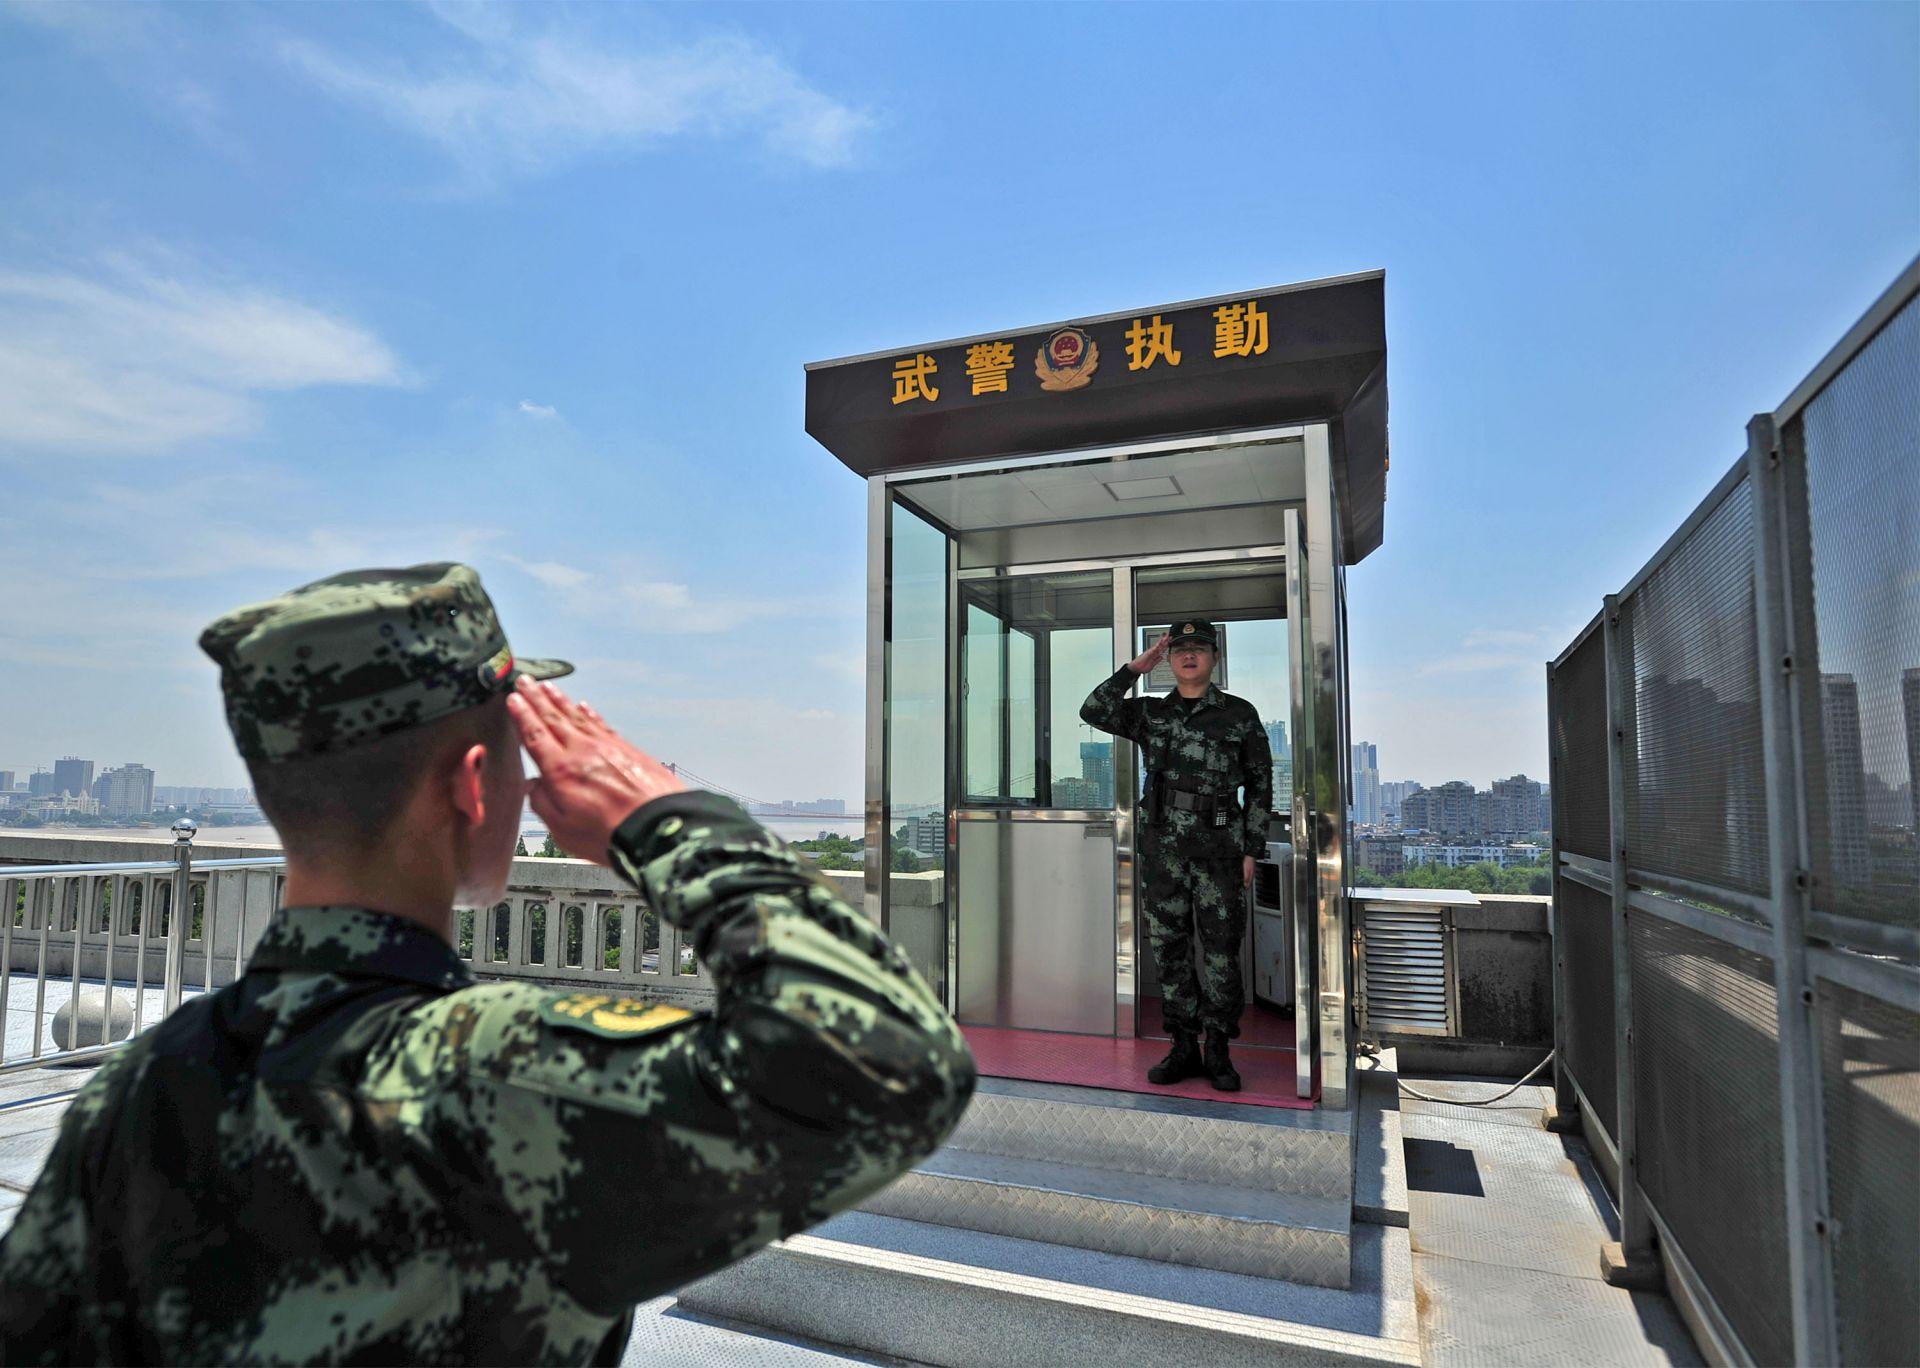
<point x="1042" y="504"/>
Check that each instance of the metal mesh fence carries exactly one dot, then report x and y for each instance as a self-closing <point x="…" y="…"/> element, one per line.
<point x="1870" y="1071"/>
<point x="1586" y="919"/>
<point x="1695" y="780"/>
<point x="1707" y="1092"/>
<point x="1580" y="749"/>
<point x="1861" y="708"/>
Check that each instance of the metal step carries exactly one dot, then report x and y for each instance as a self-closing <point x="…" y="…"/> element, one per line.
<point x="1272" y="1149"/>
<point x="962" y="1299"/>
<point x="1232" y="1229"/>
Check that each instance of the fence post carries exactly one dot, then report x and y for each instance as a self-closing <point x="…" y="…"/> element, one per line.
<point x="1566" y="1104"/>
<point x="179" y="914"/>
<point x="1790" y="876"/>
<point x="1633" y="1263"/>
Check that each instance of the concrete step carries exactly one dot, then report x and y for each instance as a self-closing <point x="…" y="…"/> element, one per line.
<point x="964" y="1299"/>
<point x="1203" y="1225"/>
<point x="1272" y="1149"/>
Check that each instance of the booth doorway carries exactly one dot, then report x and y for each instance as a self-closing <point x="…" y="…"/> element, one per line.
<point x="1246" y="600"/>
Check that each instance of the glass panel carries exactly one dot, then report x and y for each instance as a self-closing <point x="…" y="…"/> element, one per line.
<point x="1034" y="647"/>
<point x="917" y="745"/>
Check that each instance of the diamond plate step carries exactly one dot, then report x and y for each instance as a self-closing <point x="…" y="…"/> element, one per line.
<point x="962" y="1299"/>
<point x="1203" y="1225"/>
<point x="1272" y="1149"/>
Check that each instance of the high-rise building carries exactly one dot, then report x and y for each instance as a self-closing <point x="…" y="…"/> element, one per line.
<point x="125" y="792"/>
<point x="1366" y="782"/>
<point x="1515" y="806"/>
<point x="1392" y="794"/>
<point x="6" y="781"/>
<point x="1096" y="768"/>
<point x="1449" y="810"/>
<point x="74" y="776"/>
<point x="40" y="784"/>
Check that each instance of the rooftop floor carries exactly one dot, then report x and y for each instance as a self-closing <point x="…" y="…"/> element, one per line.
<point x="1507" y="1220"/>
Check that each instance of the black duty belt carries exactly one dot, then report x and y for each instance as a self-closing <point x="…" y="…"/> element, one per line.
<point x="1162" y="797"/>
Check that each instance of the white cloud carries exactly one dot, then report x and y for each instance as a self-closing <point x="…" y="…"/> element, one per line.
<point x="533" y="410"/>
<point x="551" y="573"/>
<point x="132" y="358"/>
<point x="513" y="102"/>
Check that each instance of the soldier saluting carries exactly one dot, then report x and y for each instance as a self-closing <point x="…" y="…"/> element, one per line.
<point x="355" y="1153"/>
<point x="1197" y="841"/>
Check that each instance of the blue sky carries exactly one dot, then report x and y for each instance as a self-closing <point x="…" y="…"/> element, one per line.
<point x="286" y="290"/>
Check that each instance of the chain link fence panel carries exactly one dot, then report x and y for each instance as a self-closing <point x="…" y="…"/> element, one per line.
<point x="1870" y="1073"/>
<point x="1580" y="749"/>
<point x="1695" y="780"/>
<point x="1706" y="1061"/>
<point x="1860" y="701"/>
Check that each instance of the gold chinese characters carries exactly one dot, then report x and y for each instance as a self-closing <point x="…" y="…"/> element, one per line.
<point x="987" y="366"/>
<point x="910" y="376"/>
<point x="1240" y="330"/>
<point x="1069" y="356"/>
<point x="1150" y="342"/>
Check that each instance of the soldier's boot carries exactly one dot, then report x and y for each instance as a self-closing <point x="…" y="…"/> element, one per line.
<point x="1182" y="1061"/>
<point x="1218" y="1068"/>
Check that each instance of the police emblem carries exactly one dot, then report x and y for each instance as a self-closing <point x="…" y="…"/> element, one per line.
<point x="1067" y="360"/>
<point x="1188" y="629"/>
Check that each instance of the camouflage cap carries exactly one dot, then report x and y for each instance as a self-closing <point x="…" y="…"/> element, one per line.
<point x="361" y="655"/>
<point x="1194" y="629"/>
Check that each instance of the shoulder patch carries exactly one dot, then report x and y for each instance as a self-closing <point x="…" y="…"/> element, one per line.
<point x="610" y="1018"/>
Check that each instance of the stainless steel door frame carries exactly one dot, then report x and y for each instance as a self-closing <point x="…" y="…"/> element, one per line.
<point x="1125" y="642"/>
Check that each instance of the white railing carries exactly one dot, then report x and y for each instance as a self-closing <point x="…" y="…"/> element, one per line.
<point x="73" y="924"/>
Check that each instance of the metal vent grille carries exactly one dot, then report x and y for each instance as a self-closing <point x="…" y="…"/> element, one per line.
<point x="1696" y="793"/>
<point x="1586" y="919"/>
<point x="1407" y="970"/>
<point x="1580" y="749"/>
<point x="1706" y="1059"/>
<point x="1861" y="711"/>
<point x="1870" y="1068"/>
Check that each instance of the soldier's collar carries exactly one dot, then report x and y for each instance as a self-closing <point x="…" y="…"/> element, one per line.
<point x="358" y="942"/>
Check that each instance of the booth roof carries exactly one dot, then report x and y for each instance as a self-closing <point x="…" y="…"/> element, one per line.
<point x="1264" y="358"/>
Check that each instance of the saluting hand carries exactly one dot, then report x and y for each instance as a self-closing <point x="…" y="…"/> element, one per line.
<point x="1152" y="656"/>
<point x="591" y="777"/>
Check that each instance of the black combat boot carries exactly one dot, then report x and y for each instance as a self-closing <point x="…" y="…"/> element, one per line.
<point x="1182" y="1061"/>
<point x="1215" y="1064"/>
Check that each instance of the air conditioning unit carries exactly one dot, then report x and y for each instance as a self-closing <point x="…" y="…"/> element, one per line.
<point x="1409" y="983"/>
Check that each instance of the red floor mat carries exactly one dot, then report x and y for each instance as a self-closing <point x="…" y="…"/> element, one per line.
<point x="1266" y="1075"/>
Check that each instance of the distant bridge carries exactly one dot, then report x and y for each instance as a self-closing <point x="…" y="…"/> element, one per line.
<point x="749" y="802"/>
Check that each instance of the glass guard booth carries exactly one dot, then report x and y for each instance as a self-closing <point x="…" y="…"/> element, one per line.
<point x="1001" y="591"/>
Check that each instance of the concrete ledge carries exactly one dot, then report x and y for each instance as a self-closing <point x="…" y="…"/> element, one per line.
<point x="1380" y="1156"/>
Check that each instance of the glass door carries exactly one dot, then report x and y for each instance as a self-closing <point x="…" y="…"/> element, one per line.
<point x="1033" y="866"/>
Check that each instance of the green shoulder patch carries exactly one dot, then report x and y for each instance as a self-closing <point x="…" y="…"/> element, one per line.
<point x="610" y="1018"/>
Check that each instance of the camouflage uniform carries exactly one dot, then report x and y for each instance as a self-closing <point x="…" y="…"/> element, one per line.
<point x="355" y="1153"/>
<point x="1190" y="867"/>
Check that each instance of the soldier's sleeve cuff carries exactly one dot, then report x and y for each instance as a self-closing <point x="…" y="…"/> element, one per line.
<point x="639" y="837"/>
